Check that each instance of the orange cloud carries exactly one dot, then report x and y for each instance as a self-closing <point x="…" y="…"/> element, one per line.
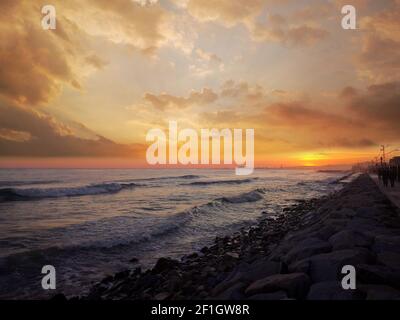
<point x="379" y="59"/>
<point x="276" y="28"/>
<point x="279" y="29"/>
<point x="30" y="133"/>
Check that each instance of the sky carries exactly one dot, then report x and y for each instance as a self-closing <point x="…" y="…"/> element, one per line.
<point x="87" y="93"/>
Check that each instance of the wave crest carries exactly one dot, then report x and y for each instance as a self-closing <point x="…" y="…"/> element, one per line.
<point x="212" y="182"/>
<point x="14" y="194"/>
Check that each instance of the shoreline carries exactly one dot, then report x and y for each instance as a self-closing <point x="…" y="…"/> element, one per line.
<point x="295" y="254"/>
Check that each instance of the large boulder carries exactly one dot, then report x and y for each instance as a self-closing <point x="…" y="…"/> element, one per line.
<point x="307" y="248"/>
<point x="164" y="264"/>
<point x="389" y="259"/>
<point x="368" y="212"/>
<point x="248" y="273"/>
<point x="332" y="290"/>
<point x="328" y="266"/>
<point x="294" y="284"/>
<point x="278" y="295"/>
<point x="347" y="239"/>
<point x="261" y="269"/>
<point x="386" y="243"/>
<point x="234" y="292"/>
<point x="343" y="213"/>
<point x="365" y="225"/>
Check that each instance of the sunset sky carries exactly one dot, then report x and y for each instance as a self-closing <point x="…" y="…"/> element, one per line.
<point x="85" y="94"/>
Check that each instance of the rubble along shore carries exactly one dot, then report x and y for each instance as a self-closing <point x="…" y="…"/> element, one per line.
<point x="296" y="254"/>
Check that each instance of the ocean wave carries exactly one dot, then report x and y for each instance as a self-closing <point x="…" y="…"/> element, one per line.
<point x="118" y="243"/>
<point x="4" y="183"/>
<point x="15" y="194"/>
<point x="212" y="182"/>
<point x="185" y="177"/>
<point x="330" y="180"/>
<point x="340" y="179"/>
<point x="251" y="196"/>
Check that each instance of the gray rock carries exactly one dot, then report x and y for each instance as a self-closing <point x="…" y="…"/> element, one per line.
<point x="348" y="239"/>
<point x="162" y="296"/>
<point x="386" y="243"/>
<point x="248" y="273"/>
<point x="389" y="259"/>
<point x="278" y="295"/>
<point x="300" y="266"/>
<point x="228" y="282"/>
<point x="363" y="224"/>
<point x="343" y="213"/>
<point x="261" y="269"/>
<point x="307" y="248"/>
<point x="164" y="264"/>
<point x="337" y="224"/>
<point x="294" y="284"/>
<point x="235" y="292"/>
<point x="332" y="290"/>
<point x="328" y="266"/>
<point x="368" y="212"/>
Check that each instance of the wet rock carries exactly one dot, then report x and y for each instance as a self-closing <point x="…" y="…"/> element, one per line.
<point x="164" y="264"/>
<point x="121" y="275"/>
<point x="348" y="239"/>
<point x="192" y="256"/>
<point x="294" y="284"/>
<point x="162" y="296"/>
<point x="232" y="255"/>
<point x="332" y="290"/>
<point x="205" y="250"/>
<point x="148" y="281"/>
<point x="107" y="279"/>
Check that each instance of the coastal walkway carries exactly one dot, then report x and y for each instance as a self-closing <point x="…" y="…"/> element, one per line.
<point x="392" y="193"/>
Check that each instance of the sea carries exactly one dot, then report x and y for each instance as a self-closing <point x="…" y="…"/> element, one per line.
<point x="91" y="223"/>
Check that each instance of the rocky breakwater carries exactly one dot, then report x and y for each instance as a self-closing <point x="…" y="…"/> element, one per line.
<point x="297" y="254"/>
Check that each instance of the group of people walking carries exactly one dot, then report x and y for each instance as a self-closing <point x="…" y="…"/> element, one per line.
<point x="389" y="174"/>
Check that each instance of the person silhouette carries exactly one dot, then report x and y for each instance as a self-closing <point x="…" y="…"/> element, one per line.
<point x="392" y="175"/>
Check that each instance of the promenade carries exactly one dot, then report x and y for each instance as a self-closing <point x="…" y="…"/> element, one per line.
<point x="392" y="193"/>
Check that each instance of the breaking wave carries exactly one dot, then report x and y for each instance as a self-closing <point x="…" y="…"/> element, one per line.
<point x="4" y="183"/>
<point x="212" y="182"/>
<point x="251" y="196"/>
<point x="15" y="194"/>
